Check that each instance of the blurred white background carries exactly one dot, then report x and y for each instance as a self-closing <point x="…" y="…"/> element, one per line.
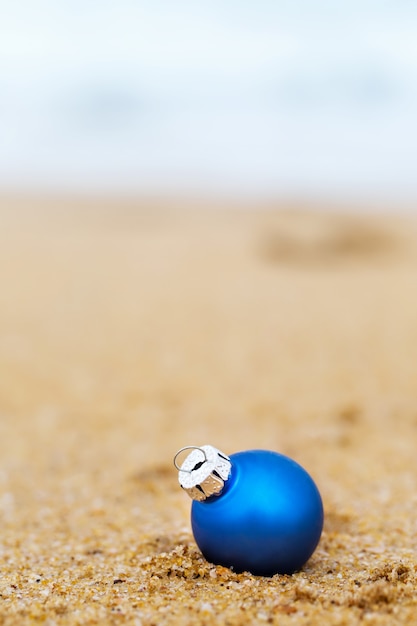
<point x="255" y="97"/>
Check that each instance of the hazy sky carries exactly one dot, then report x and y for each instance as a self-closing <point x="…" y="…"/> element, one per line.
<point x="294" y="97"/>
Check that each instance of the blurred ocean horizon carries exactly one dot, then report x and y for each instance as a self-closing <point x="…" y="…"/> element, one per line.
<point x="243" y="98"/>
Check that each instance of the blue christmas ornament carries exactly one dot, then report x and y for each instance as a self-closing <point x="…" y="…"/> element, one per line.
<point x="256" y="511"/>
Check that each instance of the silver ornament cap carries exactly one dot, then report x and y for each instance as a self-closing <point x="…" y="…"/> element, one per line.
<point x="204" y="471"/>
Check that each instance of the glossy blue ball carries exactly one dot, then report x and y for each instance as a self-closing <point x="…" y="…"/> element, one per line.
<point x="268" y="519"/>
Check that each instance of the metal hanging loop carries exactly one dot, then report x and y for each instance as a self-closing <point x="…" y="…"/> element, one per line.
<point x="188" y="448"/>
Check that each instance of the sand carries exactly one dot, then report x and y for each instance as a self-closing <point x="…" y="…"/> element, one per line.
<point x="127" y="331"/>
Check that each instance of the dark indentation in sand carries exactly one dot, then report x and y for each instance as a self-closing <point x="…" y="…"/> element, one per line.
<point x="156" y="478"/>
<point x="320" y="240"/>
<point x="350" y="415"/>
<point x="340" y="523"/>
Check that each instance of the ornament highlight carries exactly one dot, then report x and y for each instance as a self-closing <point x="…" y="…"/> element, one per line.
<point x="257" y="511"/>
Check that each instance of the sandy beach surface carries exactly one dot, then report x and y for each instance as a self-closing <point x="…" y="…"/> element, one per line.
<point x="129" y="330"/>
